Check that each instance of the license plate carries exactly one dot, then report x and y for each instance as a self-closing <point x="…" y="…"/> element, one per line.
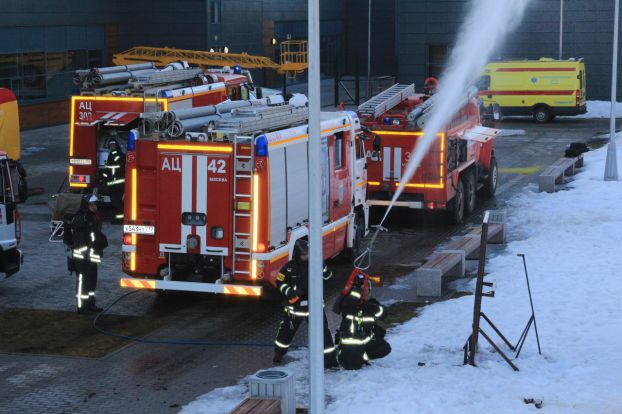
<point x="130" y="228"/>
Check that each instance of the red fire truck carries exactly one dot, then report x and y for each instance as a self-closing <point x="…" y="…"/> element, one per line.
<point x="459" y="163"/>
<point x="112" y="100"/>
<point x="220" y="211"/>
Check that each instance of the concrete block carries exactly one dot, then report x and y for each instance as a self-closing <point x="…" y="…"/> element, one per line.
<point x="429" y="282"/>
<point x="497" y="217"/>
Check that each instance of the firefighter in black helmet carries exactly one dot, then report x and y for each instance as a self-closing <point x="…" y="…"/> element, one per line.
<point x="114" y="177"/>
<point x="88" y="243"/>
<point x="359" y="338"/>
<point x="293" y="284"/>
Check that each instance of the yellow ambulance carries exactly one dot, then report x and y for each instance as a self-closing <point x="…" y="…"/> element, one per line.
<point x="542" y="88"/>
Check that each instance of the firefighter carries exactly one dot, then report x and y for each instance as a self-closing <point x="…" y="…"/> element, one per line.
<point x="88" y="243"/>
<point x="293" y="283"/>
<point x="114" y="178"/>
<point x="430" y="86"/>
<point x="359" y="338"/>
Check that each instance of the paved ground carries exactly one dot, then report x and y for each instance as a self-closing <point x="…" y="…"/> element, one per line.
<point x="160" y="378"/>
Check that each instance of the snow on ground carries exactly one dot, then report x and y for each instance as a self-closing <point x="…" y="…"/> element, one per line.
<point x="571" y="240"/>
<point x="507" y="132"/>
<point x="601" y="109"/>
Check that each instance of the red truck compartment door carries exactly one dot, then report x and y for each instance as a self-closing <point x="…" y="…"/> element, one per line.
<point x="194" y="196"/>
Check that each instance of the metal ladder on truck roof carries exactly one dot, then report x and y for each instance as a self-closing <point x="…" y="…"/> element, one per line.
<point x="244" y="161"/>
<point x="262" y="118"/>
<point x="386" y="100"/>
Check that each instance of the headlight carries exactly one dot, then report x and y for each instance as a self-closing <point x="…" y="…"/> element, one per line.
<point x="192" y="243"/>
<point x="218" y="233"/>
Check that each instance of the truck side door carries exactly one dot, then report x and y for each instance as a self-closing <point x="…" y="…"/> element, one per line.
<point x="10" y="260"/>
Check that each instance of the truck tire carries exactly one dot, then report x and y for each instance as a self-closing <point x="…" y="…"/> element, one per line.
<point x="490" y="185"/>
<point x="456" y="212"/>
<point x="469" y="192"/>
<point x="541" y="114"/>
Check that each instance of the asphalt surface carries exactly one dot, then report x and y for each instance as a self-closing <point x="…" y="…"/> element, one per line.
<point x="160" y="377"/>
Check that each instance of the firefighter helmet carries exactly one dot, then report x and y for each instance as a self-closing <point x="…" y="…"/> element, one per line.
<point x="113" y="141"/>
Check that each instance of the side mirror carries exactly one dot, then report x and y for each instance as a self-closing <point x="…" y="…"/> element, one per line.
<point x="377" y="143"/>
<point x="258" y="92"/>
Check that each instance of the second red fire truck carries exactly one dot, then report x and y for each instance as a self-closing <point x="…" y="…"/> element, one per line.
<point x="220" y="210"/>
<point x="460" y="162"/>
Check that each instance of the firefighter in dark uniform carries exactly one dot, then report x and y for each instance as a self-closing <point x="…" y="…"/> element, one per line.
<point x="114" y="178"/>
<point x="359" y="338"/>
<point x="293" y="284"/>
<point x="88" y="243"/>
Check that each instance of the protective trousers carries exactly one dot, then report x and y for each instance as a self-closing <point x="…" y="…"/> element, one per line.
<point x="116" y="199"/>
<point x="86" y="283"/>
<point x="287" y="329"/>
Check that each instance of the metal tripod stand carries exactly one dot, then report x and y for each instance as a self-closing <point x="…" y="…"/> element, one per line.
<point x="532" y="319"/>
<point x="470" y="348"/>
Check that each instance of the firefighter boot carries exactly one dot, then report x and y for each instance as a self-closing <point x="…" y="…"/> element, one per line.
<point x="330" y="360"/>
<point x="279" y="353"/>
<point x="91" y="306"/>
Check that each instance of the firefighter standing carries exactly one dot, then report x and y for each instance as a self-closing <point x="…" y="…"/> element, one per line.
<point x="114" y="177"/>
<point x="293" y="283"/>
<point x="359" y="337"/>
<point x="88" y="243"/>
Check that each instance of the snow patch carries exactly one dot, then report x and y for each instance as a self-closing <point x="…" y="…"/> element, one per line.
<point x="575" y="276"/>
<point x="601" y="109"/>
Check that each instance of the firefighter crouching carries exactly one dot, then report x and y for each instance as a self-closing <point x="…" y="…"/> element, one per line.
<point x="114" y="178"/>
<point x="293" y="284"/>
<point x="359" y="338"/>
<point x="87" y="245"/>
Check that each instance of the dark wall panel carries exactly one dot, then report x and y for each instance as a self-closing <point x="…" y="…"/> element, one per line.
<point x="587" y="34"/>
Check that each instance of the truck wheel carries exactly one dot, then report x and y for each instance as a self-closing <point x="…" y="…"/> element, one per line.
<point x="542" y="115"/>
<point x="490" y="186"/>
<point x="456" y="213"/>
<point x="469" y="192"/>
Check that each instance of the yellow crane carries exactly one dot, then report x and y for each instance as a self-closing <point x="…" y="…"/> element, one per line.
<point x="293" y="59"/>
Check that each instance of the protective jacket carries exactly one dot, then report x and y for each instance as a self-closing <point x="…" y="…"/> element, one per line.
<point x="293" y="284"/>
<point x="88" y="242"/>
<point x="114" y="169"/>
<point x="360" y="338"/>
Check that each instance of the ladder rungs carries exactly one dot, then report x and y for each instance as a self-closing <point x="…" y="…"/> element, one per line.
<point x="242" y="253"/>
<point x="242" y="215"/>
<point x="244" y="195"/>
<point x="243" y="176"/>
<point x="243" y="157"/>
<point x="242" y="234"/>
<point x="243" y="272"/>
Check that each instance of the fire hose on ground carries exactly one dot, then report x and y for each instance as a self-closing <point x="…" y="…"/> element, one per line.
<point x="173" y="341"/>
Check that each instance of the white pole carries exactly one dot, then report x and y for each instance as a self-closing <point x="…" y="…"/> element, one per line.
<point x="561" y="28"/>
<point x="369" y="51"/>
<point x="611" y="165"/>
<point x="316" y="292"/>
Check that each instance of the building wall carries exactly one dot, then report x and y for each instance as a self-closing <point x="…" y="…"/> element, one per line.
<point x="422" y="24"/>
<point x="42" y="46"/>
<point x="383" y="59"/>
<point x="182" y="24"/>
